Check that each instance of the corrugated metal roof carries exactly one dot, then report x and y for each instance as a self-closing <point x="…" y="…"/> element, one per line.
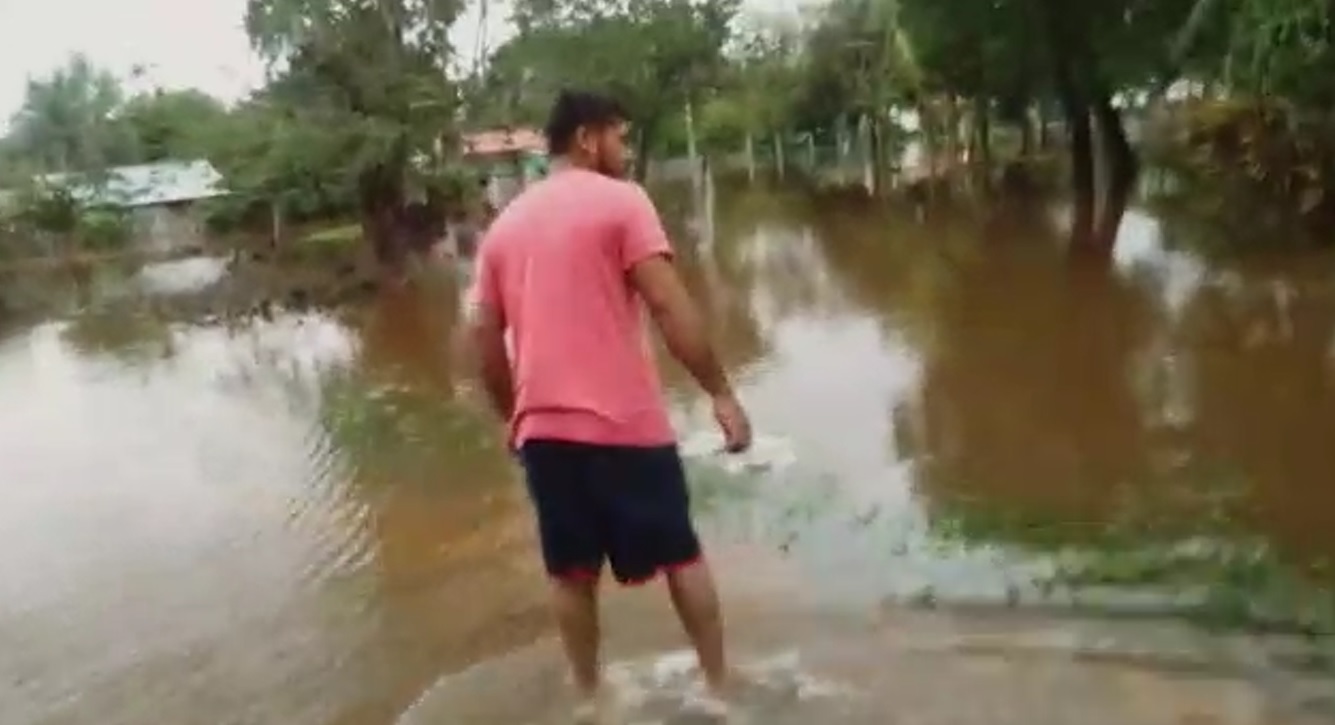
<point x="503" y="141"/>
<point x="127" y="187"/>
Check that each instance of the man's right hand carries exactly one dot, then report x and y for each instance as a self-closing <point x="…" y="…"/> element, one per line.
<point x="733" y="422"/>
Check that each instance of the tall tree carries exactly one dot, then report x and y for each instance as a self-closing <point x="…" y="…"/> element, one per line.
<point x="369" y="78"/>
<point x="655" y="55"/>
<point x="180" y="125"/>
<point x="66" y="121"/>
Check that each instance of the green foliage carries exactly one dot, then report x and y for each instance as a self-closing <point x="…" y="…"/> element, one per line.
<point x="342" y="236"/>
<point x="178" y="125"/>
<point x="227" y="214"/>
<point x="67" y="121"/>
<point x="364" y="86"/>
<point x="1262" y="168"/>
<point x="1203" y="559"/>
<point x="274" y="156"/>
<point x="80" y="120"/>
<point x="361" y="107"/>
<point x="51" y="209"/>
<point x="103" y="229"/>
<point x="858" y="62"/>
<point x="654" y="55"/>
<point x="1284" y="47"/>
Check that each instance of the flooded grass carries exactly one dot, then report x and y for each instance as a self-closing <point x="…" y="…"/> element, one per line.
<point x="1226" y="580"/>
<point x="342" y="236"/>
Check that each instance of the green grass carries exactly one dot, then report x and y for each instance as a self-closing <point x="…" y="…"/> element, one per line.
<point x="345" y="235"/>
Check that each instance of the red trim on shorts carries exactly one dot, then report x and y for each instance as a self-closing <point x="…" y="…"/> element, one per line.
<point x="665" y="569"/>
<point x="579" y="576"/>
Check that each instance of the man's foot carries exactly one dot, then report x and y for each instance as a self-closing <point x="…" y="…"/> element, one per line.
<point x="599" y="708"/>
<point x="587" y="713"/>
<point x="708" y="703"/>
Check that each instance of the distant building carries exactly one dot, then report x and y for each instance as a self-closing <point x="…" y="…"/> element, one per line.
<point x="162" y="198"/>
<point x="503" y="144"/>
<point x="508" y="158"/>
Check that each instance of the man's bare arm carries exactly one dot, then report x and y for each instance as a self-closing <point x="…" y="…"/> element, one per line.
<point x="680" y="322"/>
<point x="488" y="328"/>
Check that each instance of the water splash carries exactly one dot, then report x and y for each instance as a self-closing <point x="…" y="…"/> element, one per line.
<point x="661" y="688"/>
<point x="665" y="688"/>
<point x="767" y="453"/>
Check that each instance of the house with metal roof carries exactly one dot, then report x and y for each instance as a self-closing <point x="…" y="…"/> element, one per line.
<point x="162" y="199"/>
<point x="507" y="158"/>
<point x="134" y="187"/>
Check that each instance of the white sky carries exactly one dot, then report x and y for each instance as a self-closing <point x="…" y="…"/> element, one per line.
<point x="178" y="43"/>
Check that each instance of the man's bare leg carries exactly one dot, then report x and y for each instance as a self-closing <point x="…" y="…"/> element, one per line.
<point x="576" y="605"/>
<point x="697" y="603"/>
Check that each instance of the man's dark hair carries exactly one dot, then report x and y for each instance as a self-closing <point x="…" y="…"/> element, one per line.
<point x="574" y="109"/>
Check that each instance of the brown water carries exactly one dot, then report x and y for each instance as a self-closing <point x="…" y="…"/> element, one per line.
<point x="304" y="517"/>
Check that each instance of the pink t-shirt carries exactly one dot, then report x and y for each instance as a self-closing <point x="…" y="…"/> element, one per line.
<point x="555" y="264"/>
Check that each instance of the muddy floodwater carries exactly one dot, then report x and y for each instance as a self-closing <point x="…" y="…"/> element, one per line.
<point x="304" y="516"/>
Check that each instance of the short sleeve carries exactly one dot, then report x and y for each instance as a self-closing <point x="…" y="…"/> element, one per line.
<point x="642" y="233"/>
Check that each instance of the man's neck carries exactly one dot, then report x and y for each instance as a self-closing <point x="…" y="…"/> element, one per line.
<point x="565" y="163"/>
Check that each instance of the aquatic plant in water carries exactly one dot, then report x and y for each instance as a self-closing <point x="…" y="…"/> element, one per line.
<point x="1202" y="563"/>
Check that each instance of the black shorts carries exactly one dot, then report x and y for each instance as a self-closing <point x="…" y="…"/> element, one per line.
<point x="625" y="505"/>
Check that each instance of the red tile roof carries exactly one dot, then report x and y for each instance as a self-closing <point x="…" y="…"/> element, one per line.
<point x="503" y="141"/>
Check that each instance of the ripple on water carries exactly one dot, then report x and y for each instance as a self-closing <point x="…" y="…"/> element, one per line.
<point x="183" y="553"/>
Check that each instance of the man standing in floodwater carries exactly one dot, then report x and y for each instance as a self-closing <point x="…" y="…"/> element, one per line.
<point x="562" y="276"/>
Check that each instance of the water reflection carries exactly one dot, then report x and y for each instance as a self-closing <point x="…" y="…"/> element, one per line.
<point x="448" y="540"/>
<point x="976" y="370"/>
<point x="183" y="275"/>
<point x="131" y="514"/>
<point x="1027" y="398"/>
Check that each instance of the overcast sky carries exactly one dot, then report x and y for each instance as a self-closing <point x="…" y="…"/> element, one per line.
<point x="179" y="43"/>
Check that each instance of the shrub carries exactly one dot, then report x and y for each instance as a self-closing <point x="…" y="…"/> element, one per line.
<point x="103" y="229"/>
<point x="50" y="209"/>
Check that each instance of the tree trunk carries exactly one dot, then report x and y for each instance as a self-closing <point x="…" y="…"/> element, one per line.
<point x="778" y="155"/>
<point x="841" y="139"/>
<point x="750" y="157"/>
<point x="877" y="154"/>
<point x="952" y="136"/>
<point x="691" y="152"/>
<point x="1027" y="133"/>
<point x="380" y="197"/>
<point x="868" y="159"/>
<point x="1063" y="36"/>
<point x="275" y="223"/>
<point x="1041" y="111"/>
<point x="645" y="137"/>
<point x="985" y="135"/>
<point x="984" y="131"/>
<point x="982" y="118"/>
<point x="1120" y="165"/>
<point x="927" y="131"/>
<point x="1076" y="111"/>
